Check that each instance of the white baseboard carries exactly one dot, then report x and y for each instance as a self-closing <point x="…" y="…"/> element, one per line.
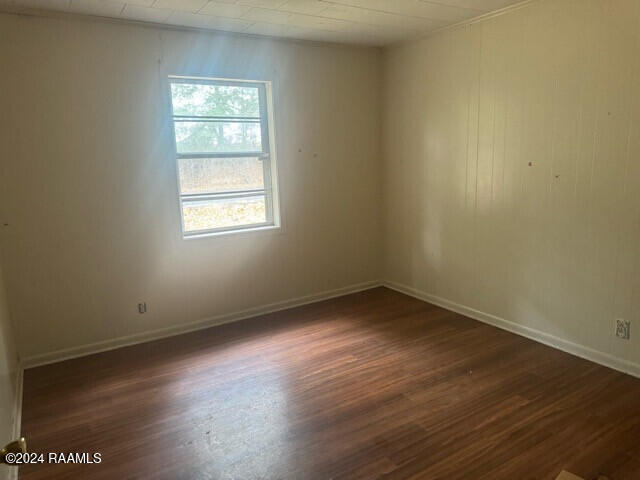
<point x="17" y="415"/>
<point x="17" y="409"/>
<point x="112" y="344"/>
<point x="582" y="351"/>
<point x="567" y="346"/>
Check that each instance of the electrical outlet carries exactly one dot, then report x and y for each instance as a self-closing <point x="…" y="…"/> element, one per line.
<point x="623" y="328"/>
<point x="142" y="307"/>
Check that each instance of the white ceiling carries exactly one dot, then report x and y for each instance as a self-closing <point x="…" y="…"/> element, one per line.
<point x="368" y="22"/>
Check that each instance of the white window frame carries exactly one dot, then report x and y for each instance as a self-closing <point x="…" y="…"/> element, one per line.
<point x="266" y="156"/>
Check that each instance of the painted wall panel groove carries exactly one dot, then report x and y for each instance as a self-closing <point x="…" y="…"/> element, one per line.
<point x="539" y="221"/>
<point x="88" y="179"/>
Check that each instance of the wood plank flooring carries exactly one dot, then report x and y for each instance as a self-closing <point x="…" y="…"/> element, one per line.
<point x="371" y="385"/>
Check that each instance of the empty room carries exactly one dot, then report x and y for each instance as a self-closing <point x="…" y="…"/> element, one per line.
<point x="320" y="239"/>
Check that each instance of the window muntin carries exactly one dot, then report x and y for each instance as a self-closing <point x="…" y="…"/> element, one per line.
<point x="223" y="152"/>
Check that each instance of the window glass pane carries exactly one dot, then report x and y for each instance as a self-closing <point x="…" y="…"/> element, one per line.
<point x="208" y="214"/>
<point x="218" y="137"/>
<point x="214" y="175"/>
<point x="214" y="100"/>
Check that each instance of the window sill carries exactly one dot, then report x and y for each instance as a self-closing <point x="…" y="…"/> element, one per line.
<point x="241" y="231"/>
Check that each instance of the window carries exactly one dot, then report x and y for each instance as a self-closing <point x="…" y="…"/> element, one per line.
<point x="225" y="164"/>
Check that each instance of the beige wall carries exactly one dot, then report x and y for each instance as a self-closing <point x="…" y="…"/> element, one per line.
<point x="510" y="179"/>
<point x="8" y="383"/>
<point x="512" y="169"/>
<point x="88" y="181"/>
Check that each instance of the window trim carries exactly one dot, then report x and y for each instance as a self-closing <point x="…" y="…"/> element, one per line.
<point x="266" y="156"/>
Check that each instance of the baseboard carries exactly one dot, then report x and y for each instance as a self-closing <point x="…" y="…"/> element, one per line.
<point x="533" y="334"/>
<point x="567" y="346"/>
<point x="17" y="415"/>
<point x="127" y="340"/>
<point x="17" y="408"/>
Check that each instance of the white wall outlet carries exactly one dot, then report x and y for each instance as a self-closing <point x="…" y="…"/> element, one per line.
<point x="623" y="328"/>
<point x="142" y="307"/>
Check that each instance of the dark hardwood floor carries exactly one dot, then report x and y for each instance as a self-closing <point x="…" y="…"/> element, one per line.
<point x="371" y="385"/>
